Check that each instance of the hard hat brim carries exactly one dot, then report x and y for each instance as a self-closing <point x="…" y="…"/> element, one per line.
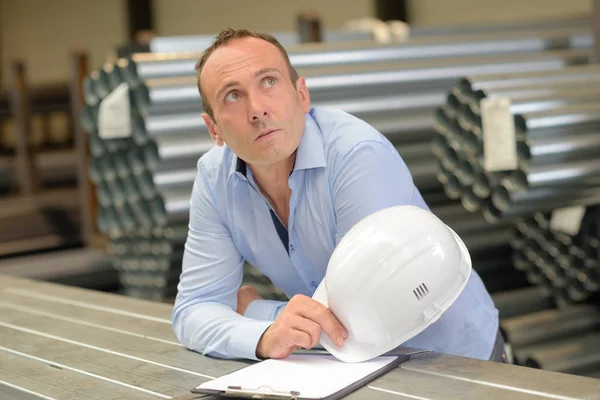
<point x="353" y="351"/>
<point x="350" y="351"/>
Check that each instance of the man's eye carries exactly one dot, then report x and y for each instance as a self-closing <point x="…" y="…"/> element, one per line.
<point x="270" y="81"/>
<point x="232" y="96"/>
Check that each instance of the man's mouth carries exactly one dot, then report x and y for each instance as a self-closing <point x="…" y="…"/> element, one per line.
<point x="266" y="133"/>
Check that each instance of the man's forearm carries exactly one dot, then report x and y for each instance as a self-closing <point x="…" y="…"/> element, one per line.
<point x="217" y="330"/>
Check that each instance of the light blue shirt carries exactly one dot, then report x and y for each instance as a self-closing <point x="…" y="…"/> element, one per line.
<point x="344" y="171"/>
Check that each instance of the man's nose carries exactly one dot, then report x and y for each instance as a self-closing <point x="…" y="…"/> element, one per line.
<point x="257" y="109"/>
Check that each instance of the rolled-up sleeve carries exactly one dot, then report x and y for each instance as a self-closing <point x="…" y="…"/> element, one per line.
<point x="204" y="315"/>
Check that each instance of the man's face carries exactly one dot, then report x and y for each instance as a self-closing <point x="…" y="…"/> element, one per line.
<point x="258" y="112"/>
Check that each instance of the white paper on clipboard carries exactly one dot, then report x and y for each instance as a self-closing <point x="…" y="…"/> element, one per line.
<point x="310" y="376"/>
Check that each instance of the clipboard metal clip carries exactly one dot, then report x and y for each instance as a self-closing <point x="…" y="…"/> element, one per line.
<point x="262" y="392"/>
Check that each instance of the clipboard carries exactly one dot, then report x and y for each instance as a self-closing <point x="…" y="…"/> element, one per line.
<point x="299" y="377"/>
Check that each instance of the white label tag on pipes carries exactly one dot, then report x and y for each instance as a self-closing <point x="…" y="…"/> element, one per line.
<point x="499" y="141"/>
<point x="567" y="220"/>
<point x="114" y="115"/>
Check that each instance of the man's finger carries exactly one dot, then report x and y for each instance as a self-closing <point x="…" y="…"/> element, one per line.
<point x="315" y="311"/>
<point x="312" y="328"/>
<point x="299" y="338"/>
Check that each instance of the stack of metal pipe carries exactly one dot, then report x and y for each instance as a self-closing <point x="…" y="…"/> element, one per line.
<point x="564" y="266"/>
<point x="489" y="246"/>
<point x="553" y="141"/>
<point x="562" y="339"/>
<point x="172" y="44"/>
<point x="178" y="44"/>
<point x="526" y="300"/>
<point x="144" y="179"/>
<point x="145" y="66"/>
<point x="539" y="333"/>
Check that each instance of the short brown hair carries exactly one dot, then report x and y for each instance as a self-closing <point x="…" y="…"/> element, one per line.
<point x="223" y="38"/>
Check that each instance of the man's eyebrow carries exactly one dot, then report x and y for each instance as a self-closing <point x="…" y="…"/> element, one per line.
<point x="265" y="71"/>
<point x="225" y="87"/>
<point x="235" y="83"/>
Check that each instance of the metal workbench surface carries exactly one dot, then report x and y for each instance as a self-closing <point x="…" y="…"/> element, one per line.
<point x="60" y="342"/>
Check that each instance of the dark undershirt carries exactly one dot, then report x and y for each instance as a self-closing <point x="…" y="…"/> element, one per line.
<point x="279" y="227"/>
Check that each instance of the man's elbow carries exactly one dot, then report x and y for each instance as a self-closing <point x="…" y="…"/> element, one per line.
<point x="203" y="335"/>
<point x="178" y="324"/>
<point x="185" y="327"/>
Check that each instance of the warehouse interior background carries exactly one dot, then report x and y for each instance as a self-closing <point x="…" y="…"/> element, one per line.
<point x="57" y="57"/>
<point x="41" y="33"/>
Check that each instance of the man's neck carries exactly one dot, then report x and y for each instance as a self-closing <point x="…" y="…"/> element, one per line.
<point x="273" y="182"/>
<point x="273" y="177"/>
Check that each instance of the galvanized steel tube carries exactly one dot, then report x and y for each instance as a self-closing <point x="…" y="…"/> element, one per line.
<point x="519" y="203"/>
<point x="586" y="92"/>
<point x="578" y="353"/>
<point x="557" y="260"/>
<point x="521" y="302"/>
<point x="556" y="120"/>
<point x="476" y="86"/>
<point x="551" y="324"/>
<point x="144" y="66"/>
<point x="170" y="44"/>
<point x="159" y="95"/>
<point x="557" y="149"/>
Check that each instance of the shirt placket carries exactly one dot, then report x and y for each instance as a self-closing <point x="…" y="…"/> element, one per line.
<point x="296" y="255"/>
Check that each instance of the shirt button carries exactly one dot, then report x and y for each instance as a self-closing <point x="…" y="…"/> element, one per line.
<point x="291" y="247"/>
<point x="314" y="284"/>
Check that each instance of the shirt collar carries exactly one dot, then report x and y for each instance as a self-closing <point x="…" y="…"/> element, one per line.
<point x="310" y="153"/>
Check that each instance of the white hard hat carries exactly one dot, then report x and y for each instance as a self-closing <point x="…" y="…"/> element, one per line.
<point x="392" y="275"/>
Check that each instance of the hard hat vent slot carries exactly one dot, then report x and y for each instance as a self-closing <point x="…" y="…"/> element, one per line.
<point x="421" y="291"/>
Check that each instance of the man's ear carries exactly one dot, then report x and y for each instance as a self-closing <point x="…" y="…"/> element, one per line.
<point x="213" y="130"/>
<point x="304" y="94"/>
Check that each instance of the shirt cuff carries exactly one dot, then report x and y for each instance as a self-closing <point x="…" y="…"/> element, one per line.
<point x="245" y="337"/>
<point x="265" y="310"/>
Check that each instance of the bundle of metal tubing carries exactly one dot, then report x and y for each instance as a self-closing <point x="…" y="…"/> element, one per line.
<point x="566" y="267"/>
<point x="144" y="66"/>
<point x="149" y="260"/>
<point x="540" y="333"/>
<point x="171" y="44"/>
<point x="488" y="245"/>
<point x="144" y="181"/>
<point x="177" y="44"/>
<point x="555" y="115"/>
<point x="526" y="300"/>
<point x="562" y="339"/>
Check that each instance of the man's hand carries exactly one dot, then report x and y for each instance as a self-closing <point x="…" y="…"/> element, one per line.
<point x="246" y="295"/>
<point x="299" y="325"/>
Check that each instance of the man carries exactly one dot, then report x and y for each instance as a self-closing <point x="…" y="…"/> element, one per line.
<point x="283" y="186"/>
